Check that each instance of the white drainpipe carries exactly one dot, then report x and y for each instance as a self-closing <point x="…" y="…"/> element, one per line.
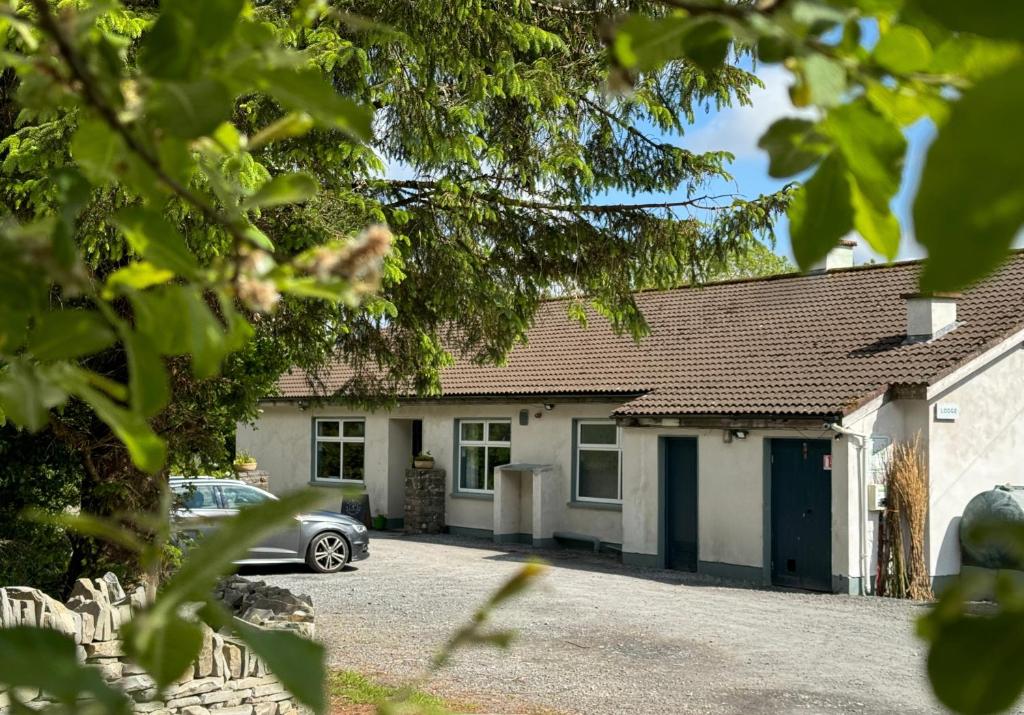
<point x="862" y="501"/>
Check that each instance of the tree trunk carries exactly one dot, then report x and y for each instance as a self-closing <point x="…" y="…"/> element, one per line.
<point x="115" y="490"/>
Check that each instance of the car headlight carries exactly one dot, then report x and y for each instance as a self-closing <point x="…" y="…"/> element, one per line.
<point x="359" y="528"/>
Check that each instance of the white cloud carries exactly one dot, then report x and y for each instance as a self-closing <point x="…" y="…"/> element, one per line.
<point x="737" y="129"/>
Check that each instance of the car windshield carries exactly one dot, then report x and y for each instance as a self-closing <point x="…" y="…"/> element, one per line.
<point x="237" y="496"/>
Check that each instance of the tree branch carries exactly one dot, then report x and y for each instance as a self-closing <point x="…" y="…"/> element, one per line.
<point x="90" y="89"/>
<point x="424" y="185"/>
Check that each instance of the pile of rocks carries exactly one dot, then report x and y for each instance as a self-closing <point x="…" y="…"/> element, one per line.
<point x="226" y="678"/>
<point x="267" y="606"/>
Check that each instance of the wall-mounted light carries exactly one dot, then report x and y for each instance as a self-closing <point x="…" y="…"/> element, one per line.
<point x="548" y="406"/>
<point x="739" y="433"/>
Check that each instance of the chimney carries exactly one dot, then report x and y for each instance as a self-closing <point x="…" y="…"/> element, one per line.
<point x="930" y="315"/>
<point x="839" y="257"/>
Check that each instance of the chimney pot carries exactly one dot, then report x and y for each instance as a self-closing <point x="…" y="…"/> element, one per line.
<point x="930" y="315"/>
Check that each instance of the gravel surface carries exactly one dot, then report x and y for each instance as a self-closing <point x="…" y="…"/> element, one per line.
<point x="597" y="637"/>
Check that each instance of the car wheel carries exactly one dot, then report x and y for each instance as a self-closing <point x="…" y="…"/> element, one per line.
<point x="328" y="552"/>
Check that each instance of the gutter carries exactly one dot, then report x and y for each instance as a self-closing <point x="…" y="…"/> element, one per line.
<point x="862" y="500"/>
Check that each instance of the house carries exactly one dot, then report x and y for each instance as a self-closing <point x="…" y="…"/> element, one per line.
<point x="741" y="438"/>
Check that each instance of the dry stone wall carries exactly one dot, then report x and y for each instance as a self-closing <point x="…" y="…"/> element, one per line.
<point x="226" y="679"/>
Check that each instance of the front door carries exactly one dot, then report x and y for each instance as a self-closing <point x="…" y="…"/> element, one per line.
<point x="801" y="503"/>
<point x="681" y="503"/>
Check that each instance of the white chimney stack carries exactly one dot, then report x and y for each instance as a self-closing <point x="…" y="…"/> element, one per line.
<point x="839" y="257"/>
<point x="930" y="315"/>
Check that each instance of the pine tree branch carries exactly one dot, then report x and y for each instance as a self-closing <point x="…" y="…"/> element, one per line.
<point x="620" y="122"/>
<point x="426" y="187"/>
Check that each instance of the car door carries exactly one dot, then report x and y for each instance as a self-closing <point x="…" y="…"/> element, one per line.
<point x="282" y="544"/>
<point x="197" y="509"/>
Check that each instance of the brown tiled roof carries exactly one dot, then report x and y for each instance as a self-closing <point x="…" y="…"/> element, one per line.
<point x="800" y="345"/>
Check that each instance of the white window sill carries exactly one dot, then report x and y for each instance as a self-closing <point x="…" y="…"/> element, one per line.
<point x="603" y="505"/>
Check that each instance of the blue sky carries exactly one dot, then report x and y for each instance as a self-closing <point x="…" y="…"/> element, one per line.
<point x="737" y="130"/>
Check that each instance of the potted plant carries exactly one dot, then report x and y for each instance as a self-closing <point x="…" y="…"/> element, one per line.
<point x="380" y="522"/>
<point x="423" y="460"/>
<point x="244" y="462"/>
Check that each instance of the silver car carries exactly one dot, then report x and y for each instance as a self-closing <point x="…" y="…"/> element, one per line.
<point x="324" y="540"/>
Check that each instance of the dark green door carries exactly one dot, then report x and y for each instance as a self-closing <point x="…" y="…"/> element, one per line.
<point x="801" y="496"/>
<point x="681" y="503"/>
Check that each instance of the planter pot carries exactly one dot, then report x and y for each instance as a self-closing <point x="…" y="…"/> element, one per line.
<point x="380" y="522"/>
<point x="245" y="467"/>
<point x="423" y="463"/>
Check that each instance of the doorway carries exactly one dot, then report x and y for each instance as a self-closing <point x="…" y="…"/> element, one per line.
<point x="680" y="503"/>
<point x="801" y="513"/>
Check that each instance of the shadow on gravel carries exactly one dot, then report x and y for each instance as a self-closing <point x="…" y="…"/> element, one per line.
<point x="282" y="569"/>
<point x="580" y="560"/>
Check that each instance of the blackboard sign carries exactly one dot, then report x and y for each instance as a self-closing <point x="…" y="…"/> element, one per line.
<point x="358" y="508"/>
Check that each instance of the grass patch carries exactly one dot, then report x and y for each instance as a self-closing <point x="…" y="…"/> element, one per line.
<point x="346" y="687"/>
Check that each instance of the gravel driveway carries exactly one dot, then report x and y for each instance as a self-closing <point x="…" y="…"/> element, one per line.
<point x="598" y="637"/>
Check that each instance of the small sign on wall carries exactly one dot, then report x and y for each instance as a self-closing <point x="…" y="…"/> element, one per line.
<point x="827" y="463"/>
<point x="947" y="411"/>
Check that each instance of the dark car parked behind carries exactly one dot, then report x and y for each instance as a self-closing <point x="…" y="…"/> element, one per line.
<point x="323" y="540"/>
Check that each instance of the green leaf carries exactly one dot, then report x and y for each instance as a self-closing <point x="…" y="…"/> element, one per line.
<point x="293" y="124"/>
<point x="284" y="189"/>
<point x="976" y="664"/>
<point x="974" y="57"/>
<point x="879" y="227"/>
<point x="872" y="147"/>
<point x="214" y="20"/>
<point x="190" y="109"/>
<point x="821" y="213"/>
<point x="147" y="382"/>
<point x="44" y="659"/>
<point x="96" y="150"/>
<point x="65" y="334"/>
<point x="306" y="90"/>
<point x="970" y="204"/>
<point x="168" y="49"/>
<point x="154" y="238"/>
<point x="793" y="145"/>
<point x="644" y="43"/>
<point x="824" y="82"/>
<point x="903" y="105"/>
<point x="297" y="662"/>
<point x="13" y="330"/>
<point x="147" y="450"/>
<point x="27" y="394"/>
<point x="706" y="43"/>
<point x="903" y="50"/>
<point x="136" y="276"/>
<point x="163" y="643"/>
<point x="89" y="525"/>
<point x="990" y="18"/>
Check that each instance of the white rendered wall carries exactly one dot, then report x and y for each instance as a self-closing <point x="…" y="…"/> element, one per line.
<point x="982" y="448"/>
<point x="281" y="441"/>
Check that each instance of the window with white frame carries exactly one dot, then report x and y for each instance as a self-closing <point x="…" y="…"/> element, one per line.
<point x="340" y="450"/>
<point x="483" y="445"/>
<point x="598" y="461"/>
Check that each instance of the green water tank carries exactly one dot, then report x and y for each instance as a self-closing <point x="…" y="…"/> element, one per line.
<point x="1001" y="504"/>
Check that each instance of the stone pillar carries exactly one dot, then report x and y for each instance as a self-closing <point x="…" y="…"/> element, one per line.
<point x="424" y="501"/>
<point x="255" y="478"/>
